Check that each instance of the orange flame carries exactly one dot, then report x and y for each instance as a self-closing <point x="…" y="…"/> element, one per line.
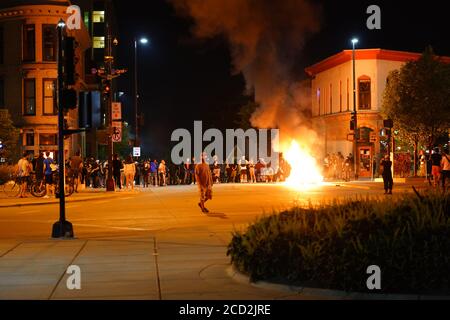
<point x="304" y="168"/>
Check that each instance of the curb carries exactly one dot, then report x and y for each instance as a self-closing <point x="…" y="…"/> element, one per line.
<point x="325" y="293"/>
<point x="55" y="201"/>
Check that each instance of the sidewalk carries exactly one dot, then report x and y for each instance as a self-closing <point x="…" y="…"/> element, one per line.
<point x="126" y="268"/>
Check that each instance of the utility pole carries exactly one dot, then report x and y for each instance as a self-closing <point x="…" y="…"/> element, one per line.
<point x="61" y="228"/>
<point x="355" y="116"/>
<point x="110" y="185"/>
<point x="136" y="97"/>
<point x="109" y="74"/>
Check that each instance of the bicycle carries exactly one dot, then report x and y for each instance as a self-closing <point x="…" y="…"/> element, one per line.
<point x="12" y="187"/>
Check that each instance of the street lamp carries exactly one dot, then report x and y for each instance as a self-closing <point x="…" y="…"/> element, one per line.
<point x="354" y="116"/>
<point x="61" y="228"/>
<point x="136" y="94"/>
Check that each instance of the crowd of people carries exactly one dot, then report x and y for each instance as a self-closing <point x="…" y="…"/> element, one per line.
<point x="131" y="172"/>
<point x="338" y="167"/>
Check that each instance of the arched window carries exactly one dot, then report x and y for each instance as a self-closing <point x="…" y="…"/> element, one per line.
<point x="364" y="93"/>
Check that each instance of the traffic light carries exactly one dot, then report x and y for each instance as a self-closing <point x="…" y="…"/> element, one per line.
<point x="107" y="88"/>
<point x="69" y="99"/>
<point x="69" y="61"/>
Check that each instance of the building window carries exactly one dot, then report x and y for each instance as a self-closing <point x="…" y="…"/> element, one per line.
<point x="331" y="98"/>
<point x="98" y="42"/>
<point x="49" y="96"/>
<point x="2" y="45"/>
<point x="28" y="43"/>
<point x="86" y="19"/>
<point x="2" y="93"/>
<point x="98" y="16"/>
<point x="340" y="95"/>
<point x="348" y="94"/>
<point x="29" y="95"/>
<point x="364" y="96"/>
<point x="318" y="99"/>
<point x="29" y="140"/>
<point x="48" y="139"/>
<point x="48" y="42"/>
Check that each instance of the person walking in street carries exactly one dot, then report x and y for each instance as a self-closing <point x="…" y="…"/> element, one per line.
<point x="204" y="181"/>
<point x="436" y="159"/>
<point x="386" y="164"/>
<point x="445" y="165"/>
<point x="130" y="171"/>
<point x="23" y="172"/>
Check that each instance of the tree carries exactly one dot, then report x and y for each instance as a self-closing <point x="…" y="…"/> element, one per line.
<point x="417" y="99"/>
<point x="9" y="137"/>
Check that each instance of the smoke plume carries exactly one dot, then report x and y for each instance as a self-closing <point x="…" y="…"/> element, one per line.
<point x="266" y="38"/>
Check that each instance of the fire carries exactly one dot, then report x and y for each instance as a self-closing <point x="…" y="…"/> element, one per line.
<point x="304" y="168"/>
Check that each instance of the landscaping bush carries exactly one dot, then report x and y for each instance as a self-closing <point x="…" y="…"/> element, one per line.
<point x="331" y="246"/>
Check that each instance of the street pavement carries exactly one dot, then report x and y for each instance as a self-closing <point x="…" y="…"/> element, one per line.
<point x="152" y="243"/>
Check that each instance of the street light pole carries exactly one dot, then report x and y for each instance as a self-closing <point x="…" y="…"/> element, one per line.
<point x="61" y="228"/>
<point x="136" y="90"/>
<point x="355" y="116"/>
<point x="110" y="183"/>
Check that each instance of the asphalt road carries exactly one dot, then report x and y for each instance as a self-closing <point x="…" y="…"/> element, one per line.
<point x="154" y="210"/>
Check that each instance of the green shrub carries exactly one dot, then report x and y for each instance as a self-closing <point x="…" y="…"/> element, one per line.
<point x="331" y="246"/>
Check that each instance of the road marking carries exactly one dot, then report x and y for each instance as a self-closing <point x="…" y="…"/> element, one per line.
<point x="109" y="227"/>
<point x="29" y="211"/>
<point x="103" y="201"/>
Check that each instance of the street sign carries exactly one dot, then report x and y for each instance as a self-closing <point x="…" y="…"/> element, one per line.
<point x="117" y="131"/>
<point x="116" y="111"/>
<point x="136" y="151"/>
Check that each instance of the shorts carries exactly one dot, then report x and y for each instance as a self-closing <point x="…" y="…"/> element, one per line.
<point x="49" y="179"/>
<point x="435" y="170"/>
<point x="76" y="174"/>
<point x="205" y="194"/>
<point x="24" y="180"/>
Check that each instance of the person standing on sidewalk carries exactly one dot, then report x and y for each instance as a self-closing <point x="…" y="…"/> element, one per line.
<point x="76" y="164"/>
<point x="23" y="172"/>
<point x="130" y="172"/>
<point x="445" y="165"/>
<point x="48" y="174"/>
<point x="204" y="181"/>
<point x="436" y="159"/>
<point x="386" y="164"/>
<point x="117" y="166"/>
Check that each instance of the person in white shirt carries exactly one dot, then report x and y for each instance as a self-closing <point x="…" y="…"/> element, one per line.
<point x="129" y="169"/>
<point x="23" y="172"/>
<point x="162" y="173"/>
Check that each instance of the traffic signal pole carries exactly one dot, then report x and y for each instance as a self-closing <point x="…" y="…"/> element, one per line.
<point x="61" y="228"/>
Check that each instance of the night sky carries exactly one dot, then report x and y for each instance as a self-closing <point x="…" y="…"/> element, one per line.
<point x="182" y="79"/>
